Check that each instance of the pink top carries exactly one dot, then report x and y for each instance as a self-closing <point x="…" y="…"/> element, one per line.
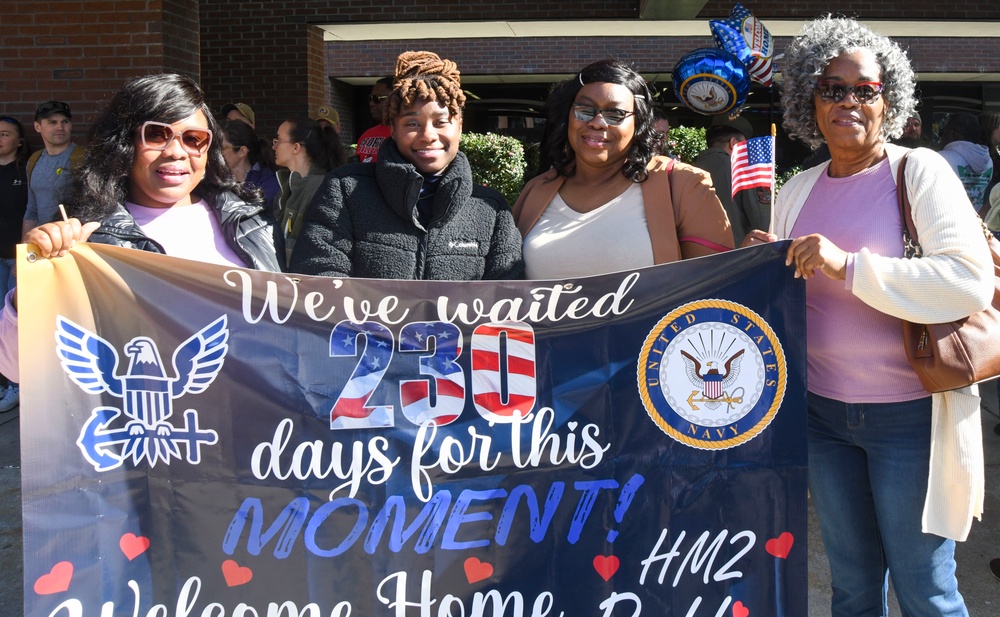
<point x="855" y="352"/>
<point x="191" y="232"/>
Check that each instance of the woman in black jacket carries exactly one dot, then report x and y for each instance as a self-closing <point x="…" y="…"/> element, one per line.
<point x="415" y="213"/>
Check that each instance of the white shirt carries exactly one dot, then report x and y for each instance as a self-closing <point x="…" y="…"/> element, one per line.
<point x="565" y="243"/>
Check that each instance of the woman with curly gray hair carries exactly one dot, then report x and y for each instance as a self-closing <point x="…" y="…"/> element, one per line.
<point x="887" y="501"/>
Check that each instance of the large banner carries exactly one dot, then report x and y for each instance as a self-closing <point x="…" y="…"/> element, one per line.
<point x="208" y="441"/>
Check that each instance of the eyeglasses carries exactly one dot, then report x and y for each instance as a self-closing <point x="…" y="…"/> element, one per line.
<point x="157" y="136"/>
<point x="375" y="99"/>
<point x="613" y="116"/>
<point x="866" y="92"/>
<point x="278" y="140"/>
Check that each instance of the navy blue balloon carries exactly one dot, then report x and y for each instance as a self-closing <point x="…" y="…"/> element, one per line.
<point x="711" y="81"/>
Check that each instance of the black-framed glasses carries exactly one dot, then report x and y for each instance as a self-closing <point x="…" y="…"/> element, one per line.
<point x="613" y="116"/>
<point x="157" y="136"/>
<point x="865" y="92"/>
<point x="375" y="99"/>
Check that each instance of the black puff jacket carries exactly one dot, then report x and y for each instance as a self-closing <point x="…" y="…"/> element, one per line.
<point x="363" y="223"/>
<point x="248" y="230"/>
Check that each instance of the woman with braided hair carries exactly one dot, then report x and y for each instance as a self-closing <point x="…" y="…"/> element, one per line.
<point x="415" y="212"/>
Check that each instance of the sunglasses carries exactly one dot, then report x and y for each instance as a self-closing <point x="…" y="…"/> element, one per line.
<point x="375" y="99"/>
<point x="612" y="116"/>
<point x="45" y="108"/>
<point x="157" y="136"/>
<point x="866" y="92"/>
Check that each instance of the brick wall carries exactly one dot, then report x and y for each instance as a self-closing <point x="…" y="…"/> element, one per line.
<point x="648" y="54"/>
<point x="271" y="55"/>
<point x="181" y="38"/>
<point x="82" y="51"/>
<point x="267" y="55"/>
<point x="965" y="10"/>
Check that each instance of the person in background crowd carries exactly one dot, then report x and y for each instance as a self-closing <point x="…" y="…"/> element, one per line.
<point x="610" y="203"/>
<point x="325" y="113"/>
<point x="414" y="213"/>
<point x="962" y="147"/>
<point x="241" y="112"/>
<point x="309" y="150"/>
<point x="912" y="133"/>
<point x="662" y="126"/>
<point x="749" y="209"/>
<point x="887" y="505"/>
<point x="370" y="140"/>
<point x="14" y="154"/>
<point x="249" y="158"/>
<point x="155" y="180"/>
<point x="51" y="169"/>
<point x="989" y="122"/>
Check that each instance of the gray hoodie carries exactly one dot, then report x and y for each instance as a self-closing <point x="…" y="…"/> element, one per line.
<point x="973" y="165"/>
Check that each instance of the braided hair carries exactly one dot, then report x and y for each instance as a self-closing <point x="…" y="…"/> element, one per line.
<point x="423" y="75"/>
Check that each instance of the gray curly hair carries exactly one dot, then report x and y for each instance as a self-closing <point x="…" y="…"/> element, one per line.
<point x="812" y="50"/>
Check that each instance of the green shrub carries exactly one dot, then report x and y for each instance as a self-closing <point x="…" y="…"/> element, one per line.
<point x="497" y="161"/>
<point x="686" y="142"/>
<point x="782" y="178"/>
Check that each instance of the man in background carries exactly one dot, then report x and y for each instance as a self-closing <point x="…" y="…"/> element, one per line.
<point x="50" y="170"/>
<point x="370" y="140"/>
<point x="962" y="147"/>
<point x="325" y="113"/>
<point x="239" y="111"/>
<point x="749" y="209"/>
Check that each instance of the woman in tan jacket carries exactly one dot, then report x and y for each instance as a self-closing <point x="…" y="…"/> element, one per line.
<point x="609" y="203"/>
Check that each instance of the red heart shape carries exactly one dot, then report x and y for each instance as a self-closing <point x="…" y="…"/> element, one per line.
<point x="56" y="581"/>
<point x="739" y="610"/>
<point x="606" y="566"/>
<point x="235" y="573"/>
<point x="133" y="545"/>
<point x="476" y="570"/>
<point x="780" y="546"/>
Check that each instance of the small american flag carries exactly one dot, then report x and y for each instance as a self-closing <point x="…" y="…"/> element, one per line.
<point x="753" y="164"/>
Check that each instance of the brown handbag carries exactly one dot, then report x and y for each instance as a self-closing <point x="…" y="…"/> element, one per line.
<point x="956" y="354"/>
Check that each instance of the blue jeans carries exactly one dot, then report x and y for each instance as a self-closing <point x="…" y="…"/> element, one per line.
<point x="868" y="465"/>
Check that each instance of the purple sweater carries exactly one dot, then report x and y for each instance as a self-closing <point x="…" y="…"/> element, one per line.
<point x="855" y="352"/>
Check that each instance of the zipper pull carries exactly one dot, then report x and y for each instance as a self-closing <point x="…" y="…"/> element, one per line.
<point x="924" y="339"/>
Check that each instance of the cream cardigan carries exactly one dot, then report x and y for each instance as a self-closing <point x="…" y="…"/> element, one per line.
<point x="954" y="278"/>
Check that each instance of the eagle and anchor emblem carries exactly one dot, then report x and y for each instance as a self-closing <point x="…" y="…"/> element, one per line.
<point x="712" y="374"/>
<point x="147" y="393"/>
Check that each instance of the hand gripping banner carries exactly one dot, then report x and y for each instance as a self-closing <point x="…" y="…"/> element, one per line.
<point x="208" y="441"/>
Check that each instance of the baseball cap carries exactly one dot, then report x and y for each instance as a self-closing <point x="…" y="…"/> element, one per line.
<point x="325" y="112"/>
<point x="243" y="108"/>
<point x="739" y="123"/>
<point x="52" y="107"/>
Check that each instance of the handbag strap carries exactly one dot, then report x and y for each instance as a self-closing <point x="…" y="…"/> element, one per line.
<point x="911" y="243"/>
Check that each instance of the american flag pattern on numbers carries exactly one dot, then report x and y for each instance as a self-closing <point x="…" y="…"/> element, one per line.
<point x="351" y="409"/>
<point x="487" y="378"/>
<point x="445" y="404"/>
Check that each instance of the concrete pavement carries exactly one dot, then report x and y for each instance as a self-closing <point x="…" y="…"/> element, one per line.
<point x="980" y="588"/>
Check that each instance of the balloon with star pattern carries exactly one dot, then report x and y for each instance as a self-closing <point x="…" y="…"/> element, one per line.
<point x="744" y="36"/>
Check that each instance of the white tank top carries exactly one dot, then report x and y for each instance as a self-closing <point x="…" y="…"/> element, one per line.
<point x="565" y="243"/>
